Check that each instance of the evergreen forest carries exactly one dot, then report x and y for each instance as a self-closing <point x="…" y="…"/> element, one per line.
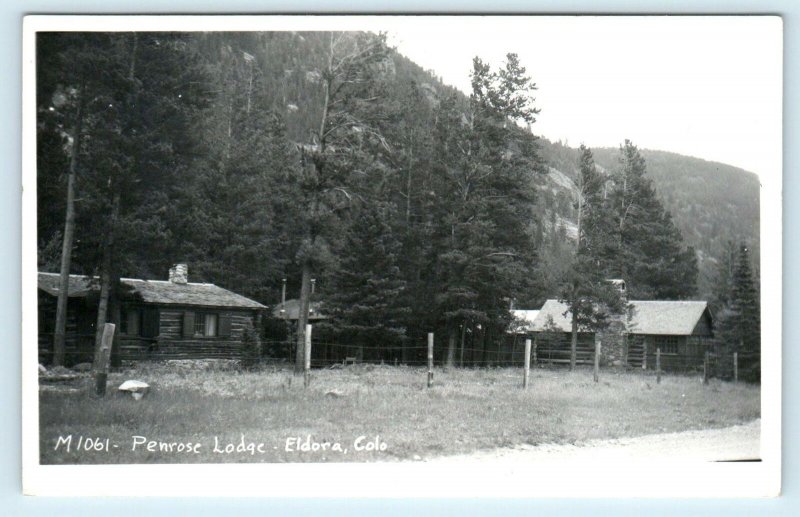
<point x="330" y="159"/>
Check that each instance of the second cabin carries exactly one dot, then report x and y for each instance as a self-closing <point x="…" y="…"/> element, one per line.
<point x="681" y="330"/>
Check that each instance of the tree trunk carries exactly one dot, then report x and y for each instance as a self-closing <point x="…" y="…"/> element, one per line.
<point x="408" y="187"/>
<point x="60" y="333"/>
<point x="580" y="218"/>
<point x="461" y="354"/>
<point x="573" y="347"/>
<point x="108" y="241"/>
<point x="105" y="278"/>
<point x="451" y="348"/>
<point x="485" y="345"/>
<point x="116" y="317"/>
<point x="302" y="318"/>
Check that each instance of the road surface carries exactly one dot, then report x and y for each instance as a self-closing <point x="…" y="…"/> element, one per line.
<point x="739" y="442"/>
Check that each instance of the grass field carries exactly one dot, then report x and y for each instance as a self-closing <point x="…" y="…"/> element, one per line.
<point x="191" y="416"/>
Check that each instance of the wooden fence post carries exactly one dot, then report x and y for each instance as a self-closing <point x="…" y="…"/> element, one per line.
<point x="736" y="367"/>
<point x="658" y="365"/>
<point x="430" y="359"/>
<point x="597" y="346"/>
<point x="307" y="358"/>
<point x="705" y="369"/>
<point x="644" y="355"/>
<point x="101" y="370"/>
<point x="527" y="364"/>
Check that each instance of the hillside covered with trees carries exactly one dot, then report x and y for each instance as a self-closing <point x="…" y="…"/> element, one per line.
<point x="255" y="157"/>
<point x="712" y="204"/>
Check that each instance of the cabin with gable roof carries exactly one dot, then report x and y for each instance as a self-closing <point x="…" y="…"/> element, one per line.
<point x="681" y="330"/>
<point x="158" y="319"/>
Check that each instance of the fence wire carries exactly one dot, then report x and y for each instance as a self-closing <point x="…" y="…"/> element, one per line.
<point x="327" y="354"/>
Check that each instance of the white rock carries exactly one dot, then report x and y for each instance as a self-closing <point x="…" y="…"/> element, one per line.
<point x="133" y="386"/>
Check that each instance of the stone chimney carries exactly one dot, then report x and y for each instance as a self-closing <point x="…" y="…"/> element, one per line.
<point x="179" y="274"/>
<point x="621" y="286"/>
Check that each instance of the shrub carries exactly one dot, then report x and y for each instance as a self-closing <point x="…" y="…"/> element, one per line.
<point x="250" y="350"/>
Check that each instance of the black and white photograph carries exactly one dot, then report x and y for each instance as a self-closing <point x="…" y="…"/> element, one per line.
<point x="402" y="244"/>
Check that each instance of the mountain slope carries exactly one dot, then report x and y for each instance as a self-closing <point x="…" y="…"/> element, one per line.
<point x="711" y="203"/>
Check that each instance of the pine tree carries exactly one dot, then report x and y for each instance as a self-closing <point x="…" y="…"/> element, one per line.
<point x="137" y="93"/>
<point x="367" y="287"/>
<point x="650" y="255"/>
<point x="344" y="141"/>
<point x="485" y="166"/>
<point x="233" y="215"/>
<point x="740" y="322"/>
<point x="61" y="119"/>
<point x="591" y="299"/>
<point x="412" y="189"/>
<point x="723" y="279"/>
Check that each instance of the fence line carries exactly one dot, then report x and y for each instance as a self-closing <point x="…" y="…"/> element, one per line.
<point x="326" y="353"/>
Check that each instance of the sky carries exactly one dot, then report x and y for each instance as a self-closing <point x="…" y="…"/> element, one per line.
<point x="708" y="87"/>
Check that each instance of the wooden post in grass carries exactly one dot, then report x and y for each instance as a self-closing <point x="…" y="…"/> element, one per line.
<point x="736" y="367"/>
<point x="658" y="365"/>
<point x="430" y="359"/>
<point x="527" y="364"/>
<point x="307" y="357"/>
<point x="101" y="369"/>
<point x="597" y="346"/>
<point x="705" y="369"/>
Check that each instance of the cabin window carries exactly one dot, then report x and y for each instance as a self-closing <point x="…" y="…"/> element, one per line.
<point x="131" y="322"/>
<point x="205" y="324"/>
<point x="667" y="344"/>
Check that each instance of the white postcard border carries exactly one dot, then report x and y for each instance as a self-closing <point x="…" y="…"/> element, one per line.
<point x="382" y="479"/>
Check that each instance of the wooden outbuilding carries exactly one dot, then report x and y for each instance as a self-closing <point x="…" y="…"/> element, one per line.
<point x="681" y="330"/>
<point x="158" y="319"/>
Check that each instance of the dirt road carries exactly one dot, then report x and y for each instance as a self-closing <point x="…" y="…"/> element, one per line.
<point x="739" y="442"/>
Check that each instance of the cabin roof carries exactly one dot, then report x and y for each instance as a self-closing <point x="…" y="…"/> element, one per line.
<point x="523" y="320"/>
<point x="675" y="318"/>
<point x="161" y="292"/>
<point x="678" y="318"/>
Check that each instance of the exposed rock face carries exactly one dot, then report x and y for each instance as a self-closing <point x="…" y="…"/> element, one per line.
<point x="430" y="93"/>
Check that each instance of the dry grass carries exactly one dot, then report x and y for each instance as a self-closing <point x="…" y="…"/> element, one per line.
<point x="466" y="410"/>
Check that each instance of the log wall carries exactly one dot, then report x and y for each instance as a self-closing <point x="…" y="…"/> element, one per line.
<point x="171" y="344"/>
<point x="168" y="344"/>
<point x="555" y="347"/>
<point x="690" y="356"/>
<point x="79" y="339"/>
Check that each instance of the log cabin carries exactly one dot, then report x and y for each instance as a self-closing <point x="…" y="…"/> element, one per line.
<point x="158" y="319"/>
<point x="681" y="330"/>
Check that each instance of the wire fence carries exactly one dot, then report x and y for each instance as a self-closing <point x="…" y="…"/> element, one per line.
<point x="710" y="362"/>
<point x="329" y="353"/>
